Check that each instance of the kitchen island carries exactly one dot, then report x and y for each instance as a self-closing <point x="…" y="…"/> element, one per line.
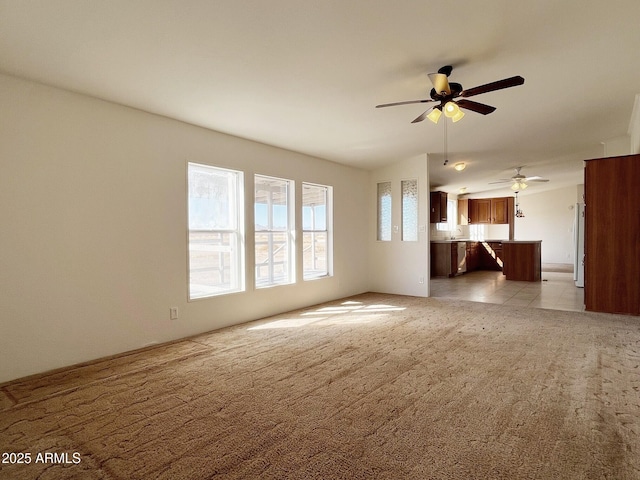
<point x="518" y="259"/>
<point x="522" y="260"/>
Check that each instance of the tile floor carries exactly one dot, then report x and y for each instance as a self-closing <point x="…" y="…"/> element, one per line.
<point x="556" y="291"/>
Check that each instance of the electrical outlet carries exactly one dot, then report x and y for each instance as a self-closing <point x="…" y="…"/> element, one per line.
<point x="173" y="313"/>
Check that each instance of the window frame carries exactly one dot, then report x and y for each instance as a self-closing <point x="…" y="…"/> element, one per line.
<point x="452" y="216"/>
<point x="235" y="204"/>
<point x="327" y="231"/>
<point x="409" y="234"/>
<point x="290" y="276"/>
<point x="387" y="228"/>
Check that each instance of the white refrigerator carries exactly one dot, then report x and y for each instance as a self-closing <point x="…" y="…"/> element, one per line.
<point x="578" y="253"/>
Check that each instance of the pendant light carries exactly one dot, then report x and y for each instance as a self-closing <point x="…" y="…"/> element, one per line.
<point x="519" y="213"/>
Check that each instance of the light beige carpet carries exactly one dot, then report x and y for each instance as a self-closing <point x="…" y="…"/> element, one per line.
<point x="376" y="387"/>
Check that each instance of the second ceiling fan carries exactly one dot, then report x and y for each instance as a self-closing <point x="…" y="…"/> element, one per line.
<point x="519" y="180"/>
<point x="445" y="93"/>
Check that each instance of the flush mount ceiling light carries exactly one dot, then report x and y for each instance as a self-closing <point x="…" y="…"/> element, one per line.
<point x="460" y="166"/>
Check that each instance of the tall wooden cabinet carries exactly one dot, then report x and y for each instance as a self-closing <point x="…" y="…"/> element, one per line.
<point x="612" y="235"/>
<point x="438" y="207"/>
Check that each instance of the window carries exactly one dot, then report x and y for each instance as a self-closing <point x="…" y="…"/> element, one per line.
<point x="315" y="231"/>
<point x="409" y="210"/>
<point x="452" y="217"/>
<point x="384" y="211"/>
<point x="273" y="231"/>
<point x="215" y="231"/>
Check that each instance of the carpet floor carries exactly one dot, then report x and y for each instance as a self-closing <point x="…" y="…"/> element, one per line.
<point x="371" y="387"/>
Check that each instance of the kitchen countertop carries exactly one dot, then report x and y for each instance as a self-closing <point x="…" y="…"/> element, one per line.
<point x="489" y="240"/>
<point x="521" y="241"/>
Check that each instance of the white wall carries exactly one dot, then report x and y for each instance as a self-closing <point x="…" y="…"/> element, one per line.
<point x="634" y="126"/>
<point x="618" y="146"/>
<point x="396" y="266"/>
<point x="93" y="238"/>
<point x="549" y="217"/>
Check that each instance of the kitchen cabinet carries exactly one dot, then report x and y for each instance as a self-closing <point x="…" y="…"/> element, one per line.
<point x="451" y="258"/>
<point x="490" y="256"/>
<point x="473" y="256"/>
<point x="500" y="210"/>
<point x="448" y="259"/>
<point x="612" y="235"/>
<point x="463" y="211"/>
<point x="480" y="210"/>
<point x="490" y="210"/>
<point x="522" y="260"/>
<point x="438" y="207"/>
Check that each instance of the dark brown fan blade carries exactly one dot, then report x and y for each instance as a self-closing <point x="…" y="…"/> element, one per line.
<point x="421" y="117"/>
<point x="404" y="103"/>
<point x="490" y="87"/>
<point x="475" y="106"/>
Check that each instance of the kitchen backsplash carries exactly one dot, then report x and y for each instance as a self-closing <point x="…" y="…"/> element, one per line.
<point x="474" y="232"/>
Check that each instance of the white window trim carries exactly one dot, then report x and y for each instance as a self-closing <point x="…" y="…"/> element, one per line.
<point x="328" y="231"/>
<point x="239" y="257"/>
<point x="291" y="246"/>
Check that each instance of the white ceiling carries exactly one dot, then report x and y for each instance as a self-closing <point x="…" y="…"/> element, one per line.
<point x="305" y="75"/>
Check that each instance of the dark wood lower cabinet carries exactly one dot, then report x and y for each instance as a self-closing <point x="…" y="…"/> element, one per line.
<point x="522" y="261"/>
<point x="519" y="260"/>
<point x="479" y="256"/>
<point x="490" y="256"/>
<point x="473" y="256"/>
<point x="444" y="259"/>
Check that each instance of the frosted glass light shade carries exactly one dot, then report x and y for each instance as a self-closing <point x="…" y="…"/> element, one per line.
<point x="517" y="186"/>
<point x="434" y="116"/>
<point x="458" y="116"/>
<point x="451" y="109"/>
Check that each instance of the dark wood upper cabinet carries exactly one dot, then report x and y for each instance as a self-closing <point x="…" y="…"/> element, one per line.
<point x="480" y="210"/>
<point x="612" y="235"/>
<point x="438" y="207"/>
<point x="500" y="210"/>
<point x="486" y="210"/>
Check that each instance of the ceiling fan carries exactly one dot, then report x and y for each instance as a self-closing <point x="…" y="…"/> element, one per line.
<point x="519" y="180"/>
<point x="445" y="93"/>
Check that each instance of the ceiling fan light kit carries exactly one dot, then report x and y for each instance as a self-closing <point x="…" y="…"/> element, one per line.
<point x="445" y="93"/>
<point x="434" y="116"/>
<point x="457" y="116"/>
<point x="519" y="181"/>
<point x="452" y="111"/>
